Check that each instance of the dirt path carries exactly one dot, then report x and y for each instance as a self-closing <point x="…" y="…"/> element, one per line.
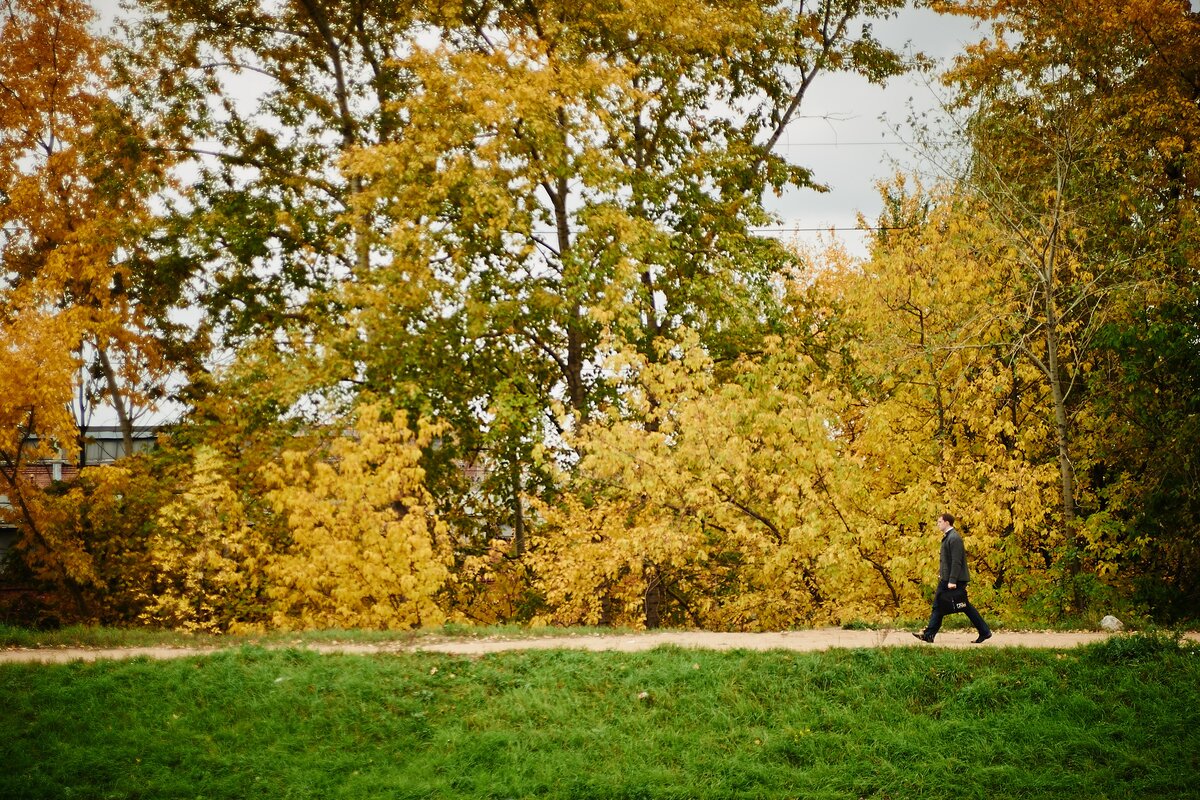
<point x="804" y="641"/>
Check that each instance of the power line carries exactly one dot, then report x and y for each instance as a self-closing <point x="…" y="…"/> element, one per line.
<point x="840" y="144"/>
<point x="879" y="143"/>
<point x="795" y="229"/>
<point x="835" y="228"/>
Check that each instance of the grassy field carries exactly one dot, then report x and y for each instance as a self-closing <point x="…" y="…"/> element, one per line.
<point x="1116" y="720"/>
<point x="102" y="637"/>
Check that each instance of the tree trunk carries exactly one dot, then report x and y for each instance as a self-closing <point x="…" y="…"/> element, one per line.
<point x="124" y="420"/>
<point x="576" y="391"/>
<point x="1049" y="278"/>
<point x="518" y="511"/>
<point x="653" y="599"/>
<point x="1061" y="430"/>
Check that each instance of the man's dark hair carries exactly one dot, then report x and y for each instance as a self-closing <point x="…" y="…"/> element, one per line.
<point x="949" y="518"/>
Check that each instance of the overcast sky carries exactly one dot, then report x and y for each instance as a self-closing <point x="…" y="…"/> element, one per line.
<point x="853" y="134"/>
<point x="843" y="140"/>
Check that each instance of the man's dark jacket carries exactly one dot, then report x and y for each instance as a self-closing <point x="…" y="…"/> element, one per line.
<point x="953" y="564"/>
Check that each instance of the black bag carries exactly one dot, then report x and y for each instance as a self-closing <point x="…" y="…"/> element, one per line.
<point x="953" y="601"/>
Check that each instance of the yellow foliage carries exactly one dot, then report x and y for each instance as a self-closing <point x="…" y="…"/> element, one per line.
<point x="141" y="543"/>
<point x="954" y="422"/>
<point x="54" y="549"/>
<point x="37" y="373"/>
<point x="207" y="558"/>
<point x="367" y="547"/>
<point x="781" y="492"/>
<point x="735" y="500"/>
<point x="490" y="588"/>
<point x="74" y="185"/>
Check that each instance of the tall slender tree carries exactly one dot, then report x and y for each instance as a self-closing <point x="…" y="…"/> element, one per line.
<point x="76" y="177"/>
<point x="1084" y="124"/>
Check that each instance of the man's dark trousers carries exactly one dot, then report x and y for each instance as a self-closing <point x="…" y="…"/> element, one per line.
<point x="935" y="617"/>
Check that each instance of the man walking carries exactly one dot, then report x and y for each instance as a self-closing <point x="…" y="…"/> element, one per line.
<point x="952" y="573"/>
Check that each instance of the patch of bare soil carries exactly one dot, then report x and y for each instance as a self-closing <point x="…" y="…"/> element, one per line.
<point x="800" y="641"/>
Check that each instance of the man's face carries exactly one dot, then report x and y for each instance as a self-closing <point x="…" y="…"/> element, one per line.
<point x="943" y="526"/>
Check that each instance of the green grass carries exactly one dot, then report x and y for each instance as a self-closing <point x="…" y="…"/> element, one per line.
<point x="103" y="637"/>
<point x="1120" y="719"/>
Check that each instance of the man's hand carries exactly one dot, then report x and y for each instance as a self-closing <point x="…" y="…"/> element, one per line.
<point x="951" y="585"/>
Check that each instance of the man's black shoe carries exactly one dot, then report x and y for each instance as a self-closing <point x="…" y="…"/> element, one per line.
<point x="983" y="637"/>
<point x="924" y="637"/>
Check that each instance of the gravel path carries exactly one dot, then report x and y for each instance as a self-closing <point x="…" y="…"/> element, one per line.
<point x="803" y="641"/>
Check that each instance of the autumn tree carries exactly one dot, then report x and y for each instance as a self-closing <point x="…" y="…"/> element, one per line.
<point x="797" y="485"/>
<point x="73" y="188"/>
<point x="259" y="100"/>
<point x="207" y="561"/>
<point x="520" y="175"/>
<point x="78" y="172"/>
<point x="945" y="410"/>
<point x="794" y="486"/>
<point x="37" y="374"/>
<point x="263" y="99"/>
<point x="367" y="548"/>
<point x="560" y="161"/>
<point x="573" y="171"/>
<point x="104" y="519"/>
<point x="183" y="536"/>
<point x="1083" y="123"/>
<point x="724" y="504"/>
